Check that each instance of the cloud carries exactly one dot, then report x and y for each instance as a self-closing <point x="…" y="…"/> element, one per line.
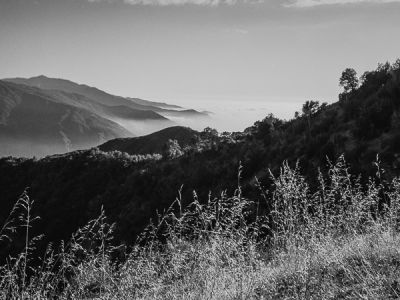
<point x="236" y="30"/>
<point x="177" y="2"/>
<point x="311" y="3"/>
<point x="285" y="3"/>
<point x="180" y="2"/>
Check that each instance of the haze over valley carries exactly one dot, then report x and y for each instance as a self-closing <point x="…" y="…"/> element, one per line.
<point x="41" y="116"/>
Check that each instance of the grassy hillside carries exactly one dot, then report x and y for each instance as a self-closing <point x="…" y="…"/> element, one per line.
<point x="339" y="242"/>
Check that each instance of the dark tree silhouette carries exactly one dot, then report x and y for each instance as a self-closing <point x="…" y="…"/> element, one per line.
<point x="396" y="65"/>
<point x="309" y="109"/>
<point x="349" y="80"/>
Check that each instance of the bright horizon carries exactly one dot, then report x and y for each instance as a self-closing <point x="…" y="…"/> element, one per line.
<point x="194" y="52"/>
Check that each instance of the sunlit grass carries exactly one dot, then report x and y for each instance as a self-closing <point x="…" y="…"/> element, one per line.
<point x="339" y="242"/>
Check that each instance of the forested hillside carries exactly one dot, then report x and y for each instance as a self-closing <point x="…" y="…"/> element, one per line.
<point x="70" y="189"/>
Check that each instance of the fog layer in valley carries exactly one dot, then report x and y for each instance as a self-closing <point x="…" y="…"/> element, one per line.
<point x="38" y="149"/>
<point x="225" y="115"/>
<point x="139" y="128"/>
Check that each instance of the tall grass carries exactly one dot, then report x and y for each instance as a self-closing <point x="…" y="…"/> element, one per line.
<point x="338" y="242"/>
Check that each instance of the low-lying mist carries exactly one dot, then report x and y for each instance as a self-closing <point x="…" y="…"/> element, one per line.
<point x="225" y="115"/>
<point x="221" y="115"/>
<point x="38" y="149"/>
<point x="138" y="128"/>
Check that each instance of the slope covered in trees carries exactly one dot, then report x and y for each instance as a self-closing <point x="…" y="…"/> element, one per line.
<point x="70" y="189"/>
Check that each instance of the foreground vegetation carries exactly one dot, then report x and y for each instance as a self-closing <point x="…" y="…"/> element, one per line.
<point x="340" y="241"/>
<point x="325" y="234"/>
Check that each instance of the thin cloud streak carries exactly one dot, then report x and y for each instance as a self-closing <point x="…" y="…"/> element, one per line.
<point x="285" y="3"/>
<point x="176" y="2"/>
<point x="312" y="3"/>
<point x="180" y="2"/>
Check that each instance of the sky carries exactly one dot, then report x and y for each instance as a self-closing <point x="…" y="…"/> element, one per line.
<point x="279" y="53"/>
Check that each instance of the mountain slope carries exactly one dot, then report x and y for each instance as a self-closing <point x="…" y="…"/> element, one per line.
<point x="152" y="143"/>
<point x="124" y="112"/>
<point x="156" y="104"/>
<point x="114" y="111"/>
<point x="97" y="95"/>
<point x="35" y="123"/>
<point x="68" y="86"/>
<point x="136" y="115"/>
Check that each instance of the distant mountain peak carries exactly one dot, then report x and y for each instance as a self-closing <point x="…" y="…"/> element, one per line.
<point x="31" y="110"/>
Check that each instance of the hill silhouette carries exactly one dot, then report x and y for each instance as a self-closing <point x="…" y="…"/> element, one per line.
<point x="42" y="116"/>
<point x="152" y="143"/>
<point x="32" y="121"/>
<point x="100" y="96"/>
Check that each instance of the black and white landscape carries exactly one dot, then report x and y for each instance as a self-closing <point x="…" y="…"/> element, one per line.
<point x="198" y="149"/>
<point x="42" y="116"/>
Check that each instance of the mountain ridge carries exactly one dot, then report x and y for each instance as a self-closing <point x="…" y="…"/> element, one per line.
<point x="152" y="143"/>
<point x="84" y="107"/>
<point x="29" y="117"/>
<point x="95" y="94"/>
